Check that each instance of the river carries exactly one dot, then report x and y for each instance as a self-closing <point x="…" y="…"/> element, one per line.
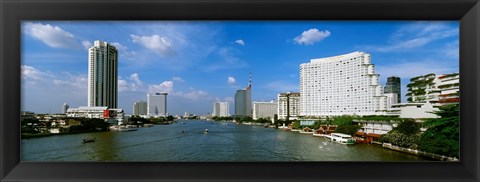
<point x="226" y="141"/>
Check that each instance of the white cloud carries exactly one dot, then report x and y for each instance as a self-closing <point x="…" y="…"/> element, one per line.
<point x="231" y="80"/>
<point x="178" y="79"/>
<point x="240" y="42"/>
<point x="86" y="44"/>
<point x="194" y="95"/>
<point x="166" y="86"/>
<point x="311" y="36"/>
<point x="53" y="36"/>
<point x="415" y="35"/>
<point x="29" y="72"/>
<point x="160" y="45"/>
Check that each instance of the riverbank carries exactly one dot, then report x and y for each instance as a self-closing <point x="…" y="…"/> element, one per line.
<point x="419" y="153"/>
<point x="39" y="135"/>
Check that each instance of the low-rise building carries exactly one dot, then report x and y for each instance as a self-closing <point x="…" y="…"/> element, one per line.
<point x="414" y="110"/>
<point x="111" y="115"/>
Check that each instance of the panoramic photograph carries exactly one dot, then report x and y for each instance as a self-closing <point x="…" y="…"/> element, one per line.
<point x="240" y="91"/>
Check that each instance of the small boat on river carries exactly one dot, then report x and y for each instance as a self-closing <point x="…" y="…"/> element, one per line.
<point x="88" y="140"/>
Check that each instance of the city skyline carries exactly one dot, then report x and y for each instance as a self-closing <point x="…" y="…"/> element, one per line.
<point x="200" y="62"/>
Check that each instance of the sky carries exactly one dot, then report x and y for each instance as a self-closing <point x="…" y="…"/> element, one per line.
<point x="201" y="62"/>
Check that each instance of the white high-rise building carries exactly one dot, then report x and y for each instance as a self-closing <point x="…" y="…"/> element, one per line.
<point x="140" y="108"/>
<point x="221" y="109"/>
<point x="341" y="85"/>
<point x="264" y="109"/>
<point x="157" y="104"/>
<point x="293" y="104"/>
<point x="102" y="75"/>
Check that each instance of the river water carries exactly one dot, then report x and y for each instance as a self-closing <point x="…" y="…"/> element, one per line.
<point x="226" y="141"/>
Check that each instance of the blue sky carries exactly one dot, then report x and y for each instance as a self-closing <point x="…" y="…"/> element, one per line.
<point x="200" y="62"/>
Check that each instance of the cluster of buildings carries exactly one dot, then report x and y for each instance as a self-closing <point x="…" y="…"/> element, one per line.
<point x="348" y="85"/>
<point x="103" y="90"/>
<point x="155" y="106"/>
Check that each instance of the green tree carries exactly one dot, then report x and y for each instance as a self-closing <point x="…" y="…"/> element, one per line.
<point x="442" y="135"/>
<point x="275" y="120"/>
<point x="347" y="129"/>
<point x="343" y="120"/>
<point x="406" y="134"/>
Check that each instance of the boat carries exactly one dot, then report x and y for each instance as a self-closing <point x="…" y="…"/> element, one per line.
<point x="88" y="140"/>
<point x="122" y="128"/>
<point x="341" y="138"/>
<point x="206" y="131"/>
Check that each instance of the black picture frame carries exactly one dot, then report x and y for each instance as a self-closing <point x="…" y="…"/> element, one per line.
<point x="14" y="11"/>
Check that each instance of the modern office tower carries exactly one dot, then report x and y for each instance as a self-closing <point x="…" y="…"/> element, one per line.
<point x="65" y="108"/>
<point x="102" y="75"/>
<point x="341" y="85"/>
<point x="140" y="108"/>
<point x="243" y="100"/>
<point x="221" y="109"/>
<point x="264" y="109"/>
<point x="393" y="86"/>
<point x="437" y="90"/>
<point x="240" y="103"/>
<point x="294" y="105"/>
<point x="157" y="104"/>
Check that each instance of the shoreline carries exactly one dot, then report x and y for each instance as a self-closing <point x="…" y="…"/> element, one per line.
<point x="30" y="136"/>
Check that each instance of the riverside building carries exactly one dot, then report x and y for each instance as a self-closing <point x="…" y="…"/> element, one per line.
<point x="157" y="104"/>
<point x="341" y="85"/>
<point x="293" y="104"/>
<point x="438" y="90"/>
<point x="264" y="109"/>
<point x="221" y="109"/>
<point x="102" y="75"/>
<point x="140" y="108"/>
<point x="243" y="100"/>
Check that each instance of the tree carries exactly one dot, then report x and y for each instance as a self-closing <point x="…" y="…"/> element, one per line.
<point x="275" y="120"/>
<point x="406" y="134"/>
<point x="442" y="135"/>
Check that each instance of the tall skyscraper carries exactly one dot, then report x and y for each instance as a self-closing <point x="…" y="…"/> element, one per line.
<point x="64" y="108"/>
<point x="240" y="103"/>
<point x="140" y="108"/>
<point x="102" y="75"/>
<point x="221" y="109"/>
<point x="341" y="85"/>
<point x="393" y="86"/>
<point x="157" y="104"/>
<point x="243" y="100"/>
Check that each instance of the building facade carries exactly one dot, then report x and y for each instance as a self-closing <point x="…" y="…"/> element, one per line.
<point x="437" y="90"/>
<point x="243" y="100"/>
<point x="393" y="85"/>
<point x="391" y="99"/>
<point x="157" y="104"/>
<point x="341" y="85"/>
<point x="140" y="108"/>
<point x="264" y="109"/>
<point x="102" y="75"/>
<point x="221" y="109"/>
<point x="294" y="105"/>
<point x="65" y="108"/>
